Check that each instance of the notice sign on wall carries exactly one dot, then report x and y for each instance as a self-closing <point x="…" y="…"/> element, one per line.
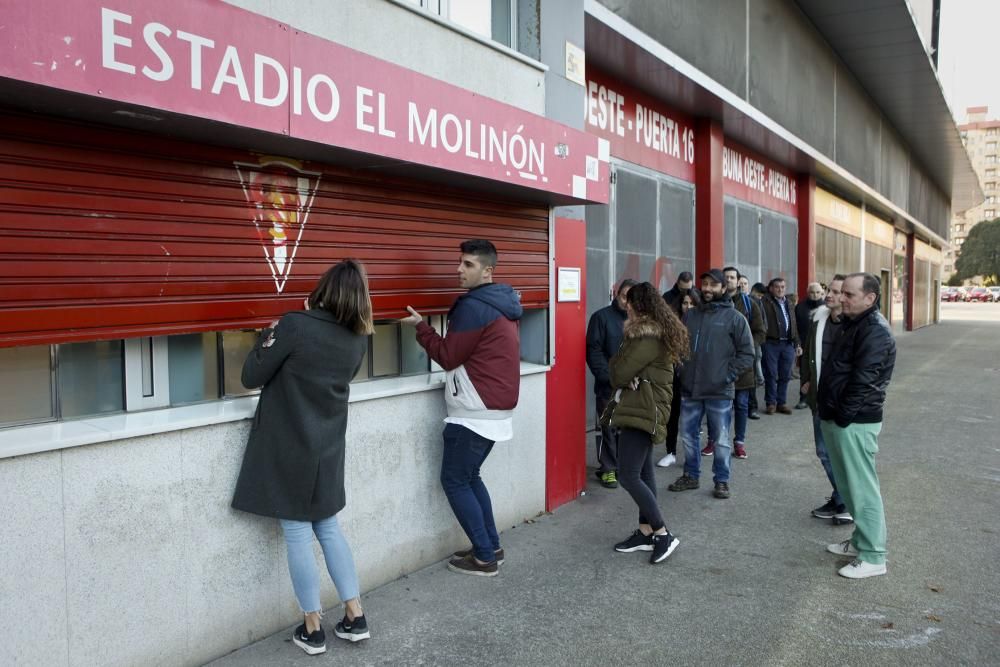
<point x="216" y="61"/>
<point x="569" y="284"/>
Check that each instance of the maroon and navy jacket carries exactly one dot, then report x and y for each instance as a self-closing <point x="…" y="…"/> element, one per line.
<point x="481" y="352"/>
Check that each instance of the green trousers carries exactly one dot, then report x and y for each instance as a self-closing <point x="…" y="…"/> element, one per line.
<point x="852" y="455"/>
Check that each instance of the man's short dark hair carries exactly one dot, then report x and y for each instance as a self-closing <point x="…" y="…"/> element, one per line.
<point x="869" y="283"/>
<point x="774" y="281"/>
<point x="484" y="251"/>
<point x="758" y="287"/>
<point x="625" y="284"/>
<point x="734" y="270"/>
<point x="685" y="277"/>
<point x="840" y="276"/>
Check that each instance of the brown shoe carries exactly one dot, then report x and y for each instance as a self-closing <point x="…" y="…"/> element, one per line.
<point x="469" y="565"/>
<point x="471" y="552"/>
<point x="784" y="409"/>
<point x="769" y="410"/>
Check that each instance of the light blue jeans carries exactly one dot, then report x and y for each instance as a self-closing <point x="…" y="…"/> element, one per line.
<point x="720" y="414"/>
<point x="302" y="562"/>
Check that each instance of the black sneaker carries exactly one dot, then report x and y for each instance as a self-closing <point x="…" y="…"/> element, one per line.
<point x="352" y="631"/>
<point x="754" y="414"/>
<point x="471" y="552"/>
<point x="684" y="483"/>
<point x="721" y="490"/>
<point x="468" y="565"/>
<point x="312" y="643"/>
<point x="663" y="546"/>
<point x="635" y="542"/>
<point x="826" y="511"/>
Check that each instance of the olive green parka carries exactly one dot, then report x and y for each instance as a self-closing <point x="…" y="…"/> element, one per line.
<point x="643" y="355"/>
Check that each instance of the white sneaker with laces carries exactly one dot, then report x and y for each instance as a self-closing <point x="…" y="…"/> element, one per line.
<point x="666" y="461"/>
<point x="844" y="548"/>
<point x="858" y="569"/>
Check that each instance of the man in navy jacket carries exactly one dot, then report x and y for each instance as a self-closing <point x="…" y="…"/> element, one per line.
<point x="604" y="337"/>
<point x="481" y="354"/>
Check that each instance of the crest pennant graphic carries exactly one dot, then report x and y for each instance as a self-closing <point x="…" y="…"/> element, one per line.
<point x="280" y="195"/>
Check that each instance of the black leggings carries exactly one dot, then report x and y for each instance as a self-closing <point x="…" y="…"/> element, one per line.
<point x="635" y="473"/>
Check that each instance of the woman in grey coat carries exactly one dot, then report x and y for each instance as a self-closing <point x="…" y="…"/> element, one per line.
<point x="293" y="468"/>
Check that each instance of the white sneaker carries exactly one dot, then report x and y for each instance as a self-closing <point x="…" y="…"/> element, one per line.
<point x="844" y="548"/>
<point x="666" y="461"/>
<point x="858" y="569"/>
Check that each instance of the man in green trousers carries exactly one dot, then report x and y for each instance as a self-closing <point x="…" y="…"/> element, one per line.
<point x="851" y="397"/>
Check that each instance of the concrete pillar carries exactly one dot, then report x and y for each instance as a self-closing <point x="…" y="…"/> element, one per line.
<point x="911" y="276"/>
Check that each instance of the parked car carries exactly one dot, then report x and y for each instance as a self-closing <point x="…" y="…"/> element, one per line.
<point x="949" y="294"/>
<point x="980" y="294"/>
<point x="995" y="291"/>
<point x="962" y="294"/>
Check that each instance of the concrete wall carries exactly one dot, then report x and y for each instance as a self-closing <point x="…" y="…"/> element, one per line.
<point x="409" y="39"/>
<point x="128" y="553"/>
<point x="771" y="55"/>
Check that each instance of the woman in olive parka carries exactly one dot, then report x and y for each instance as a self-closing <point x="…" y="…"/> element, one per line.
<point x="642" y="374"/>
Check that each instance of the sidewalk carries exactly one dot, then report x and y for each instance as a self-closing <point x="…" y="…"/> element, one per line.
<point x="751" y="582"/>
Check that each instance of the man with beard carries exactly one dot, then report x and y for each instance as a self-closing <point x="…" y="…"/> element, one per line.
<point x="721" y="349"/>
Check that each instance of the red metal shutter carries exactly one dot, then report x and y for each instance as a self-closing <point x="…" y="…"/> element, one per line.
<point x="112" y="234"/>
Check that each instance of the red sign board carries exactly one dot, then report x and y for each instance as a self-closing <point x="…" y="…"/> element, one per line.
<point x="639" y="128"/>
<point x="212" y="60"/>
<point x="754" y="179"/>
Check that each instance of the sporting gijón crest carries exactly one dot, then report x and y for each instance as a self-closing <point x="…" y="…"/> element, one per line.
<point x="280" y="194"/>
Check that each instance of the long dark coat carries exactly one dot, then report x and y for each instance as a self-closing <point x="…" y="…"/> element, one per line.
<point x="293" y="467"/>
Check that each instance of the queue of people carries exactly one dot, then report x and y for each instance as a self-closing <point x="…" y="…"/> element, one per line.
<point x="661" y="365"/>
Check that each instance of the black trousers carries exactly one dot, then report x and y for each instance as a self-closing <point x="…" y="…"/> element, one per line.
<point x="635" y="474"/>
<point x="607" y="440"/>
<point x="673" y="424"/>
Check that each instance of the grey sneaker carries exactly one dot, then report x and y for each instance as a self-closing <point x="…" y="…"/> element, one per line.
<point x="684" y="483"/>
<point x="721" y="490"/>
<point x="844" y="548"/>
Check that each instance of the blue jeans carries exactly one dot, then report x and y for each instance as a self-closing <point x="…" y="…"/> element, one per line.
<point x="824" y="458"/>
<point x="464" y="454"/>
<point x="778" y="359"/>
<point x="741" y="412"/>
<point x="720" y="413"/>
<point x="302" y="562"/>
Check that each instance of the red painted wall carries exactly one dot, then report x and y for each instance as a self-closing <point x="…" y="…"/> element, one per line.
<point x="807" y="230"/>
<point x="566" y="386"/>
<point x="710" y="223"/>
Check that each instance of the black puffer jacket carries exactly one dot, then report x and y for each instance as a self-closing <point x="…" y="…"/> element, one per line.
<point x="854" y="381"/>
<point x="604" y="337"/>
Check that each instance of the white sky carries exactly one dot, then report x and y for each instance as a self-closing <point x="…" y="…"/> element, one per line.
<point x="968" y="65"/>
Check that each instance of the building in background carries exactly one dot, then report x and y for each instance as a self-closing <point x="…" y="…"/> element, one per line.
<point x="980" y="134"/>
<point x="176" y="175"/>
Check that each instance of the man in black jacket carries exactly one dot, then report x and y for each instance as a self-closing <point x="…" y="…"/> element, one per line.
<point x="780" y="347"/>
<point x="675" y="294"/>
<point x="721" y="350"/>
<point x="803" y="315"/>
<point x="851" y="396"/>
<point x="604" y="337"/>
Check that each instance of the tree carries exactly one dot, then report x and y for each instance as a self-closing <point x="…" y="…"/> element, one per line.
<point x="981" y="252"/>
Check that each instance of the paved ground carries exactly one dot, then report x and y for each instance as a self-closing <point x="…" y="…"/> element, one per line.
<point x="750" y="583"/>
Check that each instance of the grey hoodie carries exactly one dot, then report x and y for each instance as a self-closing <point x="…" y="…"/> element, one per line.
<point x="721" y="349"/>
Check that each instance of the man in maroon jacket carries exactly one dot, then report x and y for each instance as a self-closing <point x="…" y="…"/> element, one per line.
<point x="481" y="354"/>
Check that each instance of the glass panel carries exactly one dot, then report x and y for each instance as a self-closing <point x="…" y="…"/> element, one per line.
<point x="415" y="359"/>
<point x="598" y="284"/>
<point x="676" y="234"/>
<point x="770" y="249"/>
<point x="28" y="369"/>
<point x="473" y="15"/>
<point x="385" y="350"/>
<point x="91" y="378"/>
<point x="748" y="246"/>
<point x="193" y="367"/>
<point x="729" y="251"/>
<point x="635" y="226"/>
<point x="236" y="345"/>
<point x="501" y="23"/>
<point x="790" y="252"/>
<point x="598" y="230"/>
